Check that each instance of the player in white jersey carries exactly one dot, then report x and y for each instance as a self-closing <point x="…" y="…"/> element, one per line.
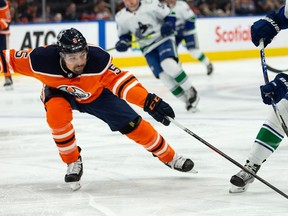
<point x="185" y="27"/>
<point x="151" y="18"/>
<point x="271" y="133"/>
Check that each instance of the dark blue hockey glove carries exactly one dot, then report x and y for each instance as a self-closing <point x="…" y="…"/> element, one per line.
<point x="266" y="28"/>
<point x="275" y="89"/>
<point x="158" y="109"/>
<point x="122" y="45"/>
<point x="167" y="29"/>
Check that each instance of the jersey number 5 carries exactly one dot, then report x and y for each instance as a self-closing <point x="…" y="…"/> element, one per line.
<point x="21" y="54"/>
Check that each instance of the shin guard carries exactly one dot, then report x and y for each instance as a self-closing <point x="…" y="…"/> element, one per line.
<point x="152" y="141"/>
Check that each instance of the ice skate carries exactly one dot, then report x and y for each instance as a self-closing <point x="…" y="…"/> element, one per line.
<point x="210" y="69"/>
<point x="181" y="164"/>
<point x="192" y="100"/>
<point x="8" y="85"/>
<point x="241" y="181"/>
<point x="74" y="173"/>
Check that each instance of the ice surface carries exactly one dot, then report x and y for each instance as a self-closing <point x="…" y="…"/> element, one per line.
<point x="120" y="177"/>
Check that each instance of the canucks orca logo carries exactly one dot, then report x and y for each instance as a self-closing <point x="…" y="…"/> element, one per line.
<point x="140" y="31"/>
<point x="75" y="91"/>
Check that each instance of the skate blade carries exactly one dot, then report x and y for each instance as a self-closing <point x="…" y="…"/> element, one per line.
<point x="8" y="88"/>
<point x="75" y="186"/>
<point x="194" y="110"/>
<point x="236" y="189"/>
<point x="193" y="171"/>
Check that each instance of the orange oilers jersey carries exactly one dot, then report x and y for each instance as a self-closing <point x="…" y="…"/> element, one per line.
<point x="5" y="17"/>
<point x="43" y="63"/>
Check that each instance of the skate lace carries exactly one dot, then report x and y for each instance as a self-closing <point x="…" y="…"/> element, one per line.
<point x="244" y="175"/>
<point x="74" y="168"/>
<point x="178" y="162"/>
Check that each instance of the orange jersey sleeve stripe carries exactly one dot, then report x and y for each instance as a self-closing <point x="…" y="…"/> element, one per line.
<point x="3" y="24"/>
<point x="137" y="95"/>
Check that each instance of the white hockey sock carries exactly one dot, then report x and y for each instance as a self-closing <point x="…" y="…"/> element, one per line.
<point x="173" y="86"/>
<point x="269" y="136"/>
<point x="258" y="154"/>
<point x="173" y="69"/>
<point x="283" y="109"/>
<point x="198" y="54"/>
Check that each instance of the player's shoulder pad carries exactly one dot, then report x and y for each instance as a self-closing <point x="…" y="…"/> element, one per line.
<point x="151" y="2"/>
<point x="45" y="59"/>
<point x="98" y="60"/>
<point x="181" y="3"/>
<point x="120" y="13"/>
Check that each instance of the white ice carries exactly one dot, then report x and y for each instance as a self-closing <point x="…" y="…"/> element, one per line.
<point x="122" y="179"/>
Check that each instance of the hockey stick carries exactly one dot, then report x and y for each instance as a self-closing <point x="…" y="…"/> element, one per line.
<point x="135" y="41"/>
<point x="276" y="70"/>
<point x="225" y="156"/>
<point x="266" y="79"/>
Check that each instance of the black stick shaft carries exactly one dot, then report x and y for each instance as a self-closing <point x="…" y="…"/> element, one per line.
<point x="266" y="79"/>
<point x="227" y="157"/>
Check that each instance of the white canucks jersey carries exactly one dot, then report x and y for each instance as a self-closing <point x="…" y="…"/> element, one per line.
<point x="183" y="12"/>
<point x="147" y="20"/>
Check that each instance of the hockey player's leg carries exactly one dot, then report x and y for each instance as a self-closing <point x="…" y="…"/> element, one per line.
<point x="145" y="135"/>
<point x="240" y="181"/>
<point x="198" y="54"/>
<point x="173" y="69"/>
<point x="8" y="82"/>
<point x="267" y="141"/>
<point x="59" y="117"/>
<point x="192" y="45"/>
<point x="173" y="86"/>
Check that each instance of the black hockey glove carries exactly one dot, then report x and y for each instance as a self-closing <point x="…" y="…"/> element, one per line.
<point x="122" y="45"/>
<point x="266" y="28"/>
<point x="158" y="109"/>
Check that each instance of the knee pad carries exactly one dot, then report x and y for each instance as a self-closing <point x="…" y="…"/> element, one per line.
<point x="171" y="67"/>
<point x="58" y="112"/>
<point x="168" y="80"/>
<point x="132" y="125"/>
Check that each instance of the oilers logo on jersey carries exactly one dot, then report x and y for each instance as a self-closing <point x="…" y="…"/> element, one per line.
<point x="75" y="91"/>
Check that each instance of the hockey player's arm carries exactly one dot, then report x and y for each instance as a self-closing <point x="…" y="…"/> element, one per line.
<point x="169" y="25"/>
<point x="4" y="25"/>
<point x="275" y="89"/>
<point x="124" y="43"/>
<point x="124" y="34"/>
<point x="269" y="27"/>
<point x="126" y="86"/>
<point x="5" y="15"/>
<point x="16" y="61"/>
<point x="189" y="26"/>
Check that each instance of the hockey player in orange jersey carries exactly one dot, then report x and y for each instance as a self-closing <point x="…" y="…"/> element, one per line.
<point x="77" y="76"/>
<point x="5" y="19"/>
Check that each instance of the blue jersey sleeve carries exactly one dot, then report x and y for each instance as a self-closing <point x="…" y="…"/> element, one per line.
<point x="282" y="20"/>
